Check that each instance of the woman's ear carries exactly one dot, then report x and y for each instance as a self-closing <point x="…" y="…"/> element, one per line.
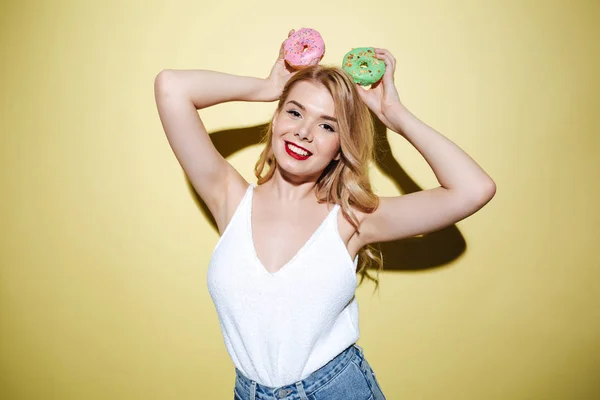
<point x="338" y="156"/>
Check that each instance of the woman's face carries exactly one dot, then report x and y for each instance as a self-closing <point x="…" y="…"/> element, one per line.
<point x="305" y="131"/>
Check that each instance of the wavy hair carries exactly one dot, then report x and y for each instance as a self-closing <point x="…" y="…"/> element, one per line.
<point x="344" y="181"/>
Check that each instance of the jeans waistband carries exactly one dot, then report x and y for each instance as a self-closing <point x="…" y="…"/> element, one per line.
<point x="298" y="390"/>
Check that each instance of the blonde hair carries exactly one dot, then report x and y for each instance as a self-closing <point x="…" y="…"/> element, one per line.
<point x="344" y="181"/>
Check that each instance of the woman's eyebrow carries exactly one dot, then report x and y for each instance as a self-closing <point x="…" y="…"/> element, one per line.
<point x="300" y="106"/>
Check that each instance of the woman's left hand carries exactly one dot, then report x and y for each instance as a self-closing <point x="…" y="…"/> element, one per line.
<point x="382" y="98"/>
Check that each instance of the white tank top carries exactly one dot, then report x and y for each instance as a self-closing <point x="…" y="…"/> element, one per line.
<point x="280" y="327"/>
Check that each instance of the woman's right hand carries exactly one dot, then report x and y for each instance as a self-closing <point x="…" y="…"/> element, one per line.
<point x="280" y="74"/>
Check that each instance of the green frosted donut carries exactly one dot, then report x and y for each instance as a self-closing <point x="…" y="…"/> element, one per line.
<point x="362" y="66"/>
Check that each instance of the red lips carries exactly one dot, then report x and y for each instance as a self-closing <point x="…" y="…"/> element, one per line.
<point x="296" y="155"/>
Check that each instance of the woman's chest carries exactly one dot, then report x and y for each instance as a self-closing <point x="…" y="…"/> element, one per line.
<point x="278" y="236"/>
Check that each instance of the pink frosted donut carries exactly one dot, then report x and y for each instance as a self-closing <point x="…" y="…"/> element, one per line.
<point x="304" y="48"/>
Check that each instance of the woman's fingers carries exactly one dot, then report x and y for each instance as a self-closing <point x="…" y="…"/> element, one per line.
<point x="390" y="63"/>
<point x="281" y="51"/>
<point x="386" y="55"/>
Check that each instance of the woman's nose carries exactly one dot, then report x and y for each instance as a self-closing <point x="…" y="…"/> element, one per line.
<point x="303" y="133"/>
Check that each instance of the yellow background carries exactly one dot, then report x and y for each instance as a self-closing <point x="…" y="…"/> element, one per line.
<point x="104" y="249"/>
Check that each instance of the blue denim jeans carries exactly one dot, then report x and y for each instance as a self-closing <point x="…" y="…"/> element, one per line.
<point x="348" y="376"/>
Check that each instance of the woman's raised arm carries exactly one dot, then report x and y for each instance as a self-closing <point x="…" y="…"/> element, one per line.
<point x="464" y="186"/>
<point x="179" y="94"/>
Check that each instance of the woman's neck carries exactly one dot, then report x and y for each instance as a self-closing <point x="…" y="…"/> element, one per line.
<point x="287" y="190"/>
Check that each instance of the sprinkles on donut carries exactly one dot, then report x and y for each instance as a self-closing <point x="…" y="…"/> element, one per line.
<point x="304" y="48"/>
<point x="362" y="65"/>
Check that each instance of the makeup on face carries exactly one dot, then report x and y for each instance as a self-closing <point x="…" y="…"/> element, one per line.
<point x="306" y="127"/>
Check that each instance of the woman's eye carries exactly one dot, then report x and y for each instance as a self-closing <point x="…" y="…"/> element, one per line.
<point x="294" y="113"/>
<point x="328" y="127"/>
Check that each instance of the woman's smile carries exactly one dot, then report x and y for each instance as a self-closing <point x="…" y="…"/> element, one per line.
<point x="299" y="153"/>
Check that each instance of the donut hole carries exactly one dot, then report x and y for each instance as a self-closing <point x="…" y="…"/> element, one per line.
<point x="304" y="48"/>
<point x="364" y="65"/>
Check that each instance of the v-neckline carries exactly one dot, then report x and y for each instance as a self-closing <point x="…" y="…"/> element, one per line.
<point x="300" y="250"/>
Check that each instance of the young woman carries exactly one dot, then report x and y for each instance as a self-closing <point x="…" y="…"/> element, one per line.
<point x="283" y="274"/>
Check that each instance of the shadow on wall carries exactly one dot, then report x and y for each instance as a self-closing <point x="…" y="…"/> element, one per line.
<point x="428" y="251"/>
